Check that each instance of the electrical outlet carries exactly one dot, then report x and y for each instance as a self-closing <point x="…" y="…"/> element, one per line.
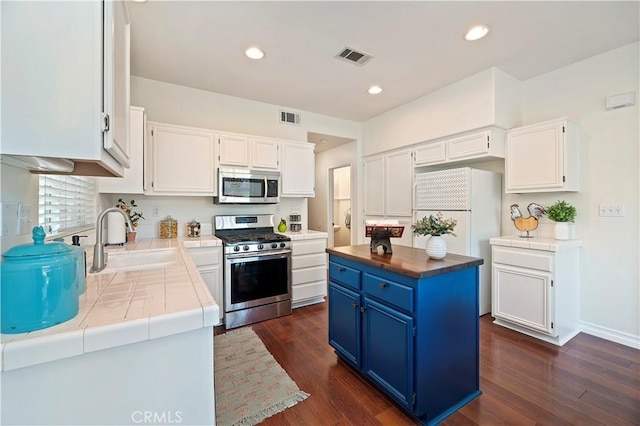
<point x="611" y="210"/>
<point x="156" y="211"/>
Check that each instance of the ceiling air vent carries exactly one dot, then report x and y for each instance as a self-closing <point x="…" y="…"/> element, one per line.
<point x="353" y="56"/>
<point x="289" y="117"/>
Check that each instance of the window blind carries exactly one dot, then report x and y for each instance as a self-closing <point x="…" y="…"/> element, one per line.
<point x="66" y="203"/>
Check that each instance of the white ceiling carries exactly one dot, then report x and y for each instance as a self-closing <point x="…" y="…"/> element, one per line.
<point x="418" y="46"/>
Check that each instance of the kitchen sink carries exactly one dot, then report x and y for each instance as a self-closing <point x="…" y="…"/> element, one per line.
<point x="139" y="259"/>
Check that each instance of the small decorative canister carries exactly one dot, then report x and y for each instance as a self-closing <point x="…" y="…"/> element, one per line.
<point x="168" y="228"/>
<point x="193" y="229"/>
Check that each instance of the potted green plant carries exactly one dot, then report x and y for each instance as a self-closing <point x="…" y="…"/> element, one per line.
<point x="564" y="214"/>
<point x="133" y="215"/>
<point x="435" y="226"/>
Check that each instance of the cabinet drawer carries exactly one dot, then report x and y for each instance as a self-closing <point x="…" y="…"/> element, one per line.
<point x="345" y="275"/>
<point x="308" y="274"/>
<point x="308" y="260"/>
<point x="532" y="259"/>
<point x="389" y="291"/>
<point x="205" y="256"/>
<point x="308" y="246"/>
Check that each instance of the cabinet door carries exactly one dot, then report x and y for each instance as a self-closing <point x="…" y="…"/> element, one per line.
<point x="374" y="179"/>
<point x="183" y="160"/>
<point x="535" y="158"/>
<point x="388" y="350"/>
<point x="133" y="179"/>
<point x="345" y="323"/>
<point x="469" y="146"/>
<point x="116" y="86"/>
<point x="265" y="154"/>
<point x="233" y="150"/>
<point x="398" y="184"/>
<point x="431" y="153"/>
<point x="212" y="276"/>
<point x="298" y="174"/>
<point x="524" y="297"/>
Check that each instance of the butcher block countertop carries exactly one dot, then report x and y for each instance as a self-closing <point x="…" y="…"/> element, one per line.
<point x="407" y="261"/>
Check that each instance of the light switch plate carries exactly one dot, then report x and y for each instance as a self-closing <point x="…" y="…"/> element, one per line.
<point x="25" y="219"/>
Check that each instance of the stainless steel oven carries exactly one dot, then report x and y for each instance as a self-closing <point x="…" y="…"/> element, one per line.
<point x="257" y="269"/>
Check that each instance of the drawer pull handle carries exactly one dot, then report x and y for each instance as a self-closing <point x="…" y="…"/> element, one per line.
<point x="341" y="269"/>
<point x="362" y="309"/>
<point x="355" y="306"/>
<point x="382" y="285"/>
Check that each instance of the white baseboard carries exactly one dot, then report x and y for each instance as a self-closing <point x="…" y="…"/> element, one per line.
<point x="606" y="333"/>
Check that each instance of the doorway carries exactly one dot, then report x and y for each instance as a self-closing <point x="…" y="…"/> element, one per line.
<point x="339" y="203"/>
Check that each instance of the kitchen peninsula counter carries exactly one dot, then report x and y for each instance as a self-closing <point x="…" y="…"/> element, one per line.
<point x="408" y="324"/>
<point x="407" y="261"/>
<point x="142" y="340"/>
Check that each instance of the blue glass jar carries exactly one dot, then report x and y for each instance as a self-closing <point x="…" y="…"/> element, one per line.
<point x="39" y="285"/>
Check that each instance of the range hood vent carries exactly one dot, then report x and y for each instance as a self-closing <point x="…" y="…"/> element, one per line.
<point x="289" y="117"/>
<point x="350" y="55"/>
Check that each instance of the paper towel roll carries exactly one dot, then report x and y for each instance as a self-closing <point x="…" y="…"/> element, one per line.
<point x="116" y="230"/>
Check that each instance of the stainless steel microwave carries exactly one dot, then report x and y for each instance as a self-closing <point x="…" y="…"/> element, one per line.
<point x="239" y="186"/>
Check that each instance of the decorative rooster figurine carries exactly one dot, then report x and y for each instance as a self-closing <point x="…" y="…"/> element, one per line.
<point x="526" y="224"/>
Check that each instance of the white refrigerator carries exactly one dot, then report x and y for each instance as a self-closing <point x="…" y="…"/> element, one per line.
<point x="474" y="198"/>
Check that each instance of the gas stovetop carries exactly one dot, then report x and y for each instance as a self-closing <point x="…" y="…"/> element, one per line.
<point x="250" y="234"/>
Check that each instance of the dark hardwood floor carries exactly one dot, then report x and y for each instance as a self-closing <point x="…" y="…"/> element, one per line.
<point x="588" y="381"/>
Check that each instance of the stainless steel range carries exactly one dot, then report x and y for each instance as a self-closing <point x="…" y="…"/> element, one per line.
<point x="257" y="269"/>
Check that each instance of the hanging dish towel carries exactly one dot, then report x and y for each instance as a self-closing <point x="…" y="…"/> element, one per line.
<point x="347" y="219"/>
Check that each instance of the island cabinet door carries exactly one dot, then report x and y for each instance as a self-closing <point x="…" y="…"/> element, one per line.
<point x="345" y="323"/>
<point x="388" y="350"/>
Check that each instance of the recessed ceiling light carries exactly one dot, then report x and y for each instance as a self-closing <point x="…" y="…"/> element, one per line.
<point x="374" y="90"/>
<point x="139" y="1"/>
<point x="254" y="53"/>
<point x="476" y="33"/>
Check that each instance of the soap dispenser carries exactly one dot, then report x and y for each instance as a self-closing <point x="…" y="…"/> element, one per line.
<point x="81" y="259"/>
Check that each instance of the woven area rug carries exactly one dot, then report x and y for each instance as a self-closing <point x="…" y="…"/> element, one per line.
<point x="249" y="384"/>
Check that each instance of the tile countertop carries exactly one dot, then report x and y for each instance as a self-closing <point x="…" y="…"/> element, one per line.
<point x="306" y="234"/>
<point x="546" y="244"/>
<point x="122" y="308"/>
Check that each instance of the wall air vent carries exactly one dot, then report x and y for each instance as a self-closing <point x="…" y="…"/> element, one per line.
<point x="353" y="56"/>
<point x="289" y="117"/>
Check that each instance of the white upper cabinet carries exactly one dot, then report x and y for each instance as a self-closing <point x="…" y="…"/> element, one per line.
<point x="233" y="150"/>
<point x="542" y="158"/>
<point x="374" y="188"/>
<point x="65" y="83"/>
<point x="265" y="154"/>
<point x="133" y="180"/>
<point x="298" y="169"/>
<point x="247" y="151"/>
<point x="388" y="184"/>
<point x="182" y="160"/>
<point x="484" y="144"/>
<point x="398" y="184"/>
<point x="431" y="153"/>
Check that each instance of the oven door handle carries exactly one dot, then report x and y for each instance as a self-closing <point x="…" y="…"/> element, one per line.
<point x="261" y="254"/>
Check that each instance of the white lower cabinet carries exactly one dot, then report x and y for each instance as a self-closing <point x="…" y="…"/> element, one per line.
<point x="208" y="260"/>
<point x="308" y="271"/>
<point x="535" y="288"/>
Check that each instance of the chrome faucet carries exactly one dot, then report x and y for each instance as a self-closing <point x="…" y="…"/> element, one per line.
<point x="98" y="250"/>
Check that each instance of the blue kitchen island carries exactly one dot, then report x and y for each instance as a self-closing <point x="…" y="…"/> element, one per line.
<point x="409" y="324"/>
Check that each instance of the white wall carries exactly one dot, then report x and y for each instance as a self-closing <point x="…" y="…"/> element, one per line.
<point x="609" y="175"/>
<point x="465" y="105"/>
<point x="170" y="103"/>
<point x="609" y="170"/>
<point x="345" y="155"/>
<point x="18" y="186"/>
